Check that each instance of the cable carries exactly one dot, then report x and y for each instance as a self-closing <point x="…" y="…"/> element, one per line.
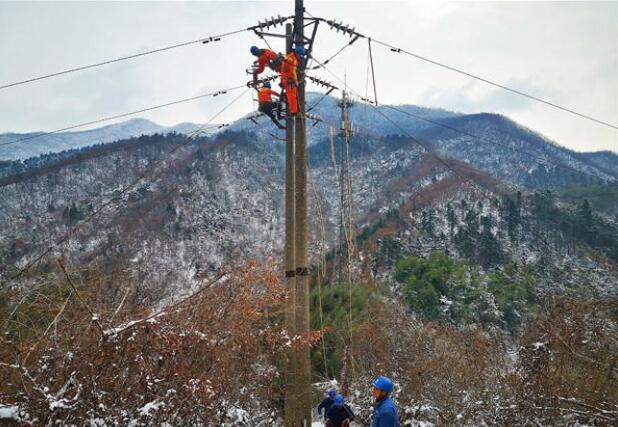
<point x="498" y="85"/>
<point x="373" y="73"/>
<point x="272" y="22"/>
<point x="436" y="156"/>
<point x="337" y="53"/>
<point x="471" y="135"/>
<point x="415" y="140"/>
<point x="126" y="189"/>
<point x="119" y="116"/>
<point x="351" y="32"/>
<point x="123" y="58"/>
<point x="437" y="123"/>
<point x="27" y="173"/>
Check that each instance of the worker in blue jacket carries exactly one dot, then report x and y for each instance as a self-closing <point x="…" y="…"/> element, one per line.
<point x="384" y="410"/>
<point x="339" y="414"/>
<point x="327" y="402"/>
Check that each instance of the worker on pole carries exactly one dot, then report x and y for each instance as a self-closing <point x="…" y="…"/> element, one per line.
<point x="384" y="410"/>
<point x="289" y="78"/>
<point x="266" y="104"/>
<point x="265" y="57"/>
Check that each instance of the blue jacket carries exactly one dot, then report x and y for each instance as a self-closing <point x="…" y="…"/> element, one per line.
<point x="338" y="414"/>
<point x="385" y="414"/>
<point x="326" y="404"/>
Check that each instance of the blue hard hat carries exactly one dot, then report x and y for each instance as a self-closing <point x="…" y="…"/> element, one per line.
<point x="255" y="50"/>
<point x="338" y="400"/>
<point x="332" y="392"/>
<point x="300" y="50"/>
<point x="266" y="84"/>
<point x="384" y="384"/>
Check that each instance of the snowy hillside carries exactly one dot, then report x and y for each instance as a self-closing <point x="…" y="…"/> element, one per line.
<point x="56" y="142"/>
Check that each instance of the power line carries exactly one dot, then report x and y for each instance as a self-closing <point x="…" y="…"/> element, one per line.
<point x="430" y="152"/>
<point x="414" y="139"/>
<point x="272" y="22"/>
<point x="443" y="125"/>
<point x="123" y="58"/>
<point x="466" y="133"/>
<point x="123" y="191"/>
<point x="352" y="32"/>
<point x="498" y="85"/>
<point x="119" y="116"/>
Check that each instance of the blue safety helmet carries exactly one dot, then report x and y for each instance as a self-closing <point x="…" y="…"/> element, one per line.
<point x="338" y="400"/>
<point x="332" y="392"/>
<point x="255" y="50"/>
<point x="300" y="51"/>
<point x="384" y="384"/>
<point x="266" y="84"/>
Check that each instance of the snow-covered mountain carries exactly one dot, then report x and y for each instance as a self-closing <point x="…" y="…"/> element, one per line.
<point x="57" y="142"/>
<point x="218" y="199"/>
<point x="490" y="142"/>
<point x="199" y="204"/>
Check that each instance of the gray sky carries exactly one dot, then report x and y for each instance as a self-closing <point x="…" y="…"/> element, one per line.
<point x="566" y="52"/>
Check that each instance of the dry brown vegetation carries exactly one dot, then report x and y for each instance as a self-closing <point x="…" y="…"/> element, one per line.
<point x="194" y="362"/>
<point x="562" y="371"/>
<point x="213" y="357"/>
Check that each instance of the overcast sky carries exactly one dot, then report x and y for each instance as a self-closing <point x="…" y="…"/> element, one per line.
<point x="566" y="52"/>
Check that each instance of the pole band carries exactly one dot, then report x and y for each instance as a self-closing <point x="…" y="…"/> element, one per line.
<point x="290" y="273"/>
<point x="302" y="271"/>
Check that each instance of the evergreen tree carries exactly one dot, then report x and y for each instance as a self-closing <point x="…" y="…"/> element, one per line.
<point x="451" y="217"/>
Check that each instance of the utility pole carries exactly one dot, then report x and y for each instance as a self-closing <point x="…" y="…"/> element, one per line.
<point x="346" y="224"/>
<point x="302" y="258"/>
<point x="347" y="231"/>
<point x="298" y="370"/>
<point x="290" y="402"/>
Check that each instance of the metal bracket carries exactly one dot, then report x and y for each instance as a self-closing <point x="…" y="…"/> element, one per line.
<point x="262" y="34"/>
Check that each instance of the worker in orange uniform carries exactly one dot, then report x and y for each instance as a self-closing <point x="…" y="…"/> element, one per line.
<point x="267" y="105"/>
<point x="265" y="57"/>
<point x="289" y="78"/>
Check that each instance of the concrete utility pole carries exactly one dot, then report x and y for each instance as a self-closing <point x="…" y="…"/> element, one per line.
<point x="290" y="255"/>
<point x="346" y="226"/>
<point x="302" y="258"/>
<point x="298" y="381"/>
<point x="347" y="232"/>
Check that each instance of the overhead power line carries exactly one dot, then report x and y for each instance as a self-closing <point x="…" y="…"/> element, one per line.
<point x="415" y="140"/>
<point x="119" y="116"/>
<point x="493" y="141"/>
<point x="498" y="85"/>
<point x="352" y="33"/>
<point x="266" y="24"/>
<point x="118" y="197"/>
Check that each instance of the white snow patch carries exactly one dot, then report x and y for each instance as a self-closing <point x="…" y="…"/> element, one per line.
<point x="12" y="412"/>
<point x="149" y="407"/>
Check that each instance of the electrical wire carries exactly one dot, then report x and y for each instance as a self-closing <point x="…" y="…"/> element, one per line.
<point x="122" y="192"/>
<point x="396" y="49"/>
<point x="124" y="58"/>
<point x="119" y="116"/>
<point x="498" y="85"/>
<point x="522" y="151"/>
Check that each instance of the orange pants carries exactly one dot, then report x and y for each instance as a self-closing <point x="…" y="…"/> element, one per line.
<point x="291" y="92"/>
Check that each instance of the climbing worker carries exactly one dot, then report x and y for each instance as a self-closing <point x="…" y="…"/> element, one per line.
<point x="327" y="402"/>
<point x="339" y="414"/>
<point x="265" y="57"/>
<point x="266" y="104"/>
<point x="289" y="77"/>
<point x="384" y="410"/>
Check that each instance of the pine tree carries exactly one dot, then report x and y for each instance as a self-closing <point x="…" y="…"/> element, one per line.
<point x="451" y="217"/>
